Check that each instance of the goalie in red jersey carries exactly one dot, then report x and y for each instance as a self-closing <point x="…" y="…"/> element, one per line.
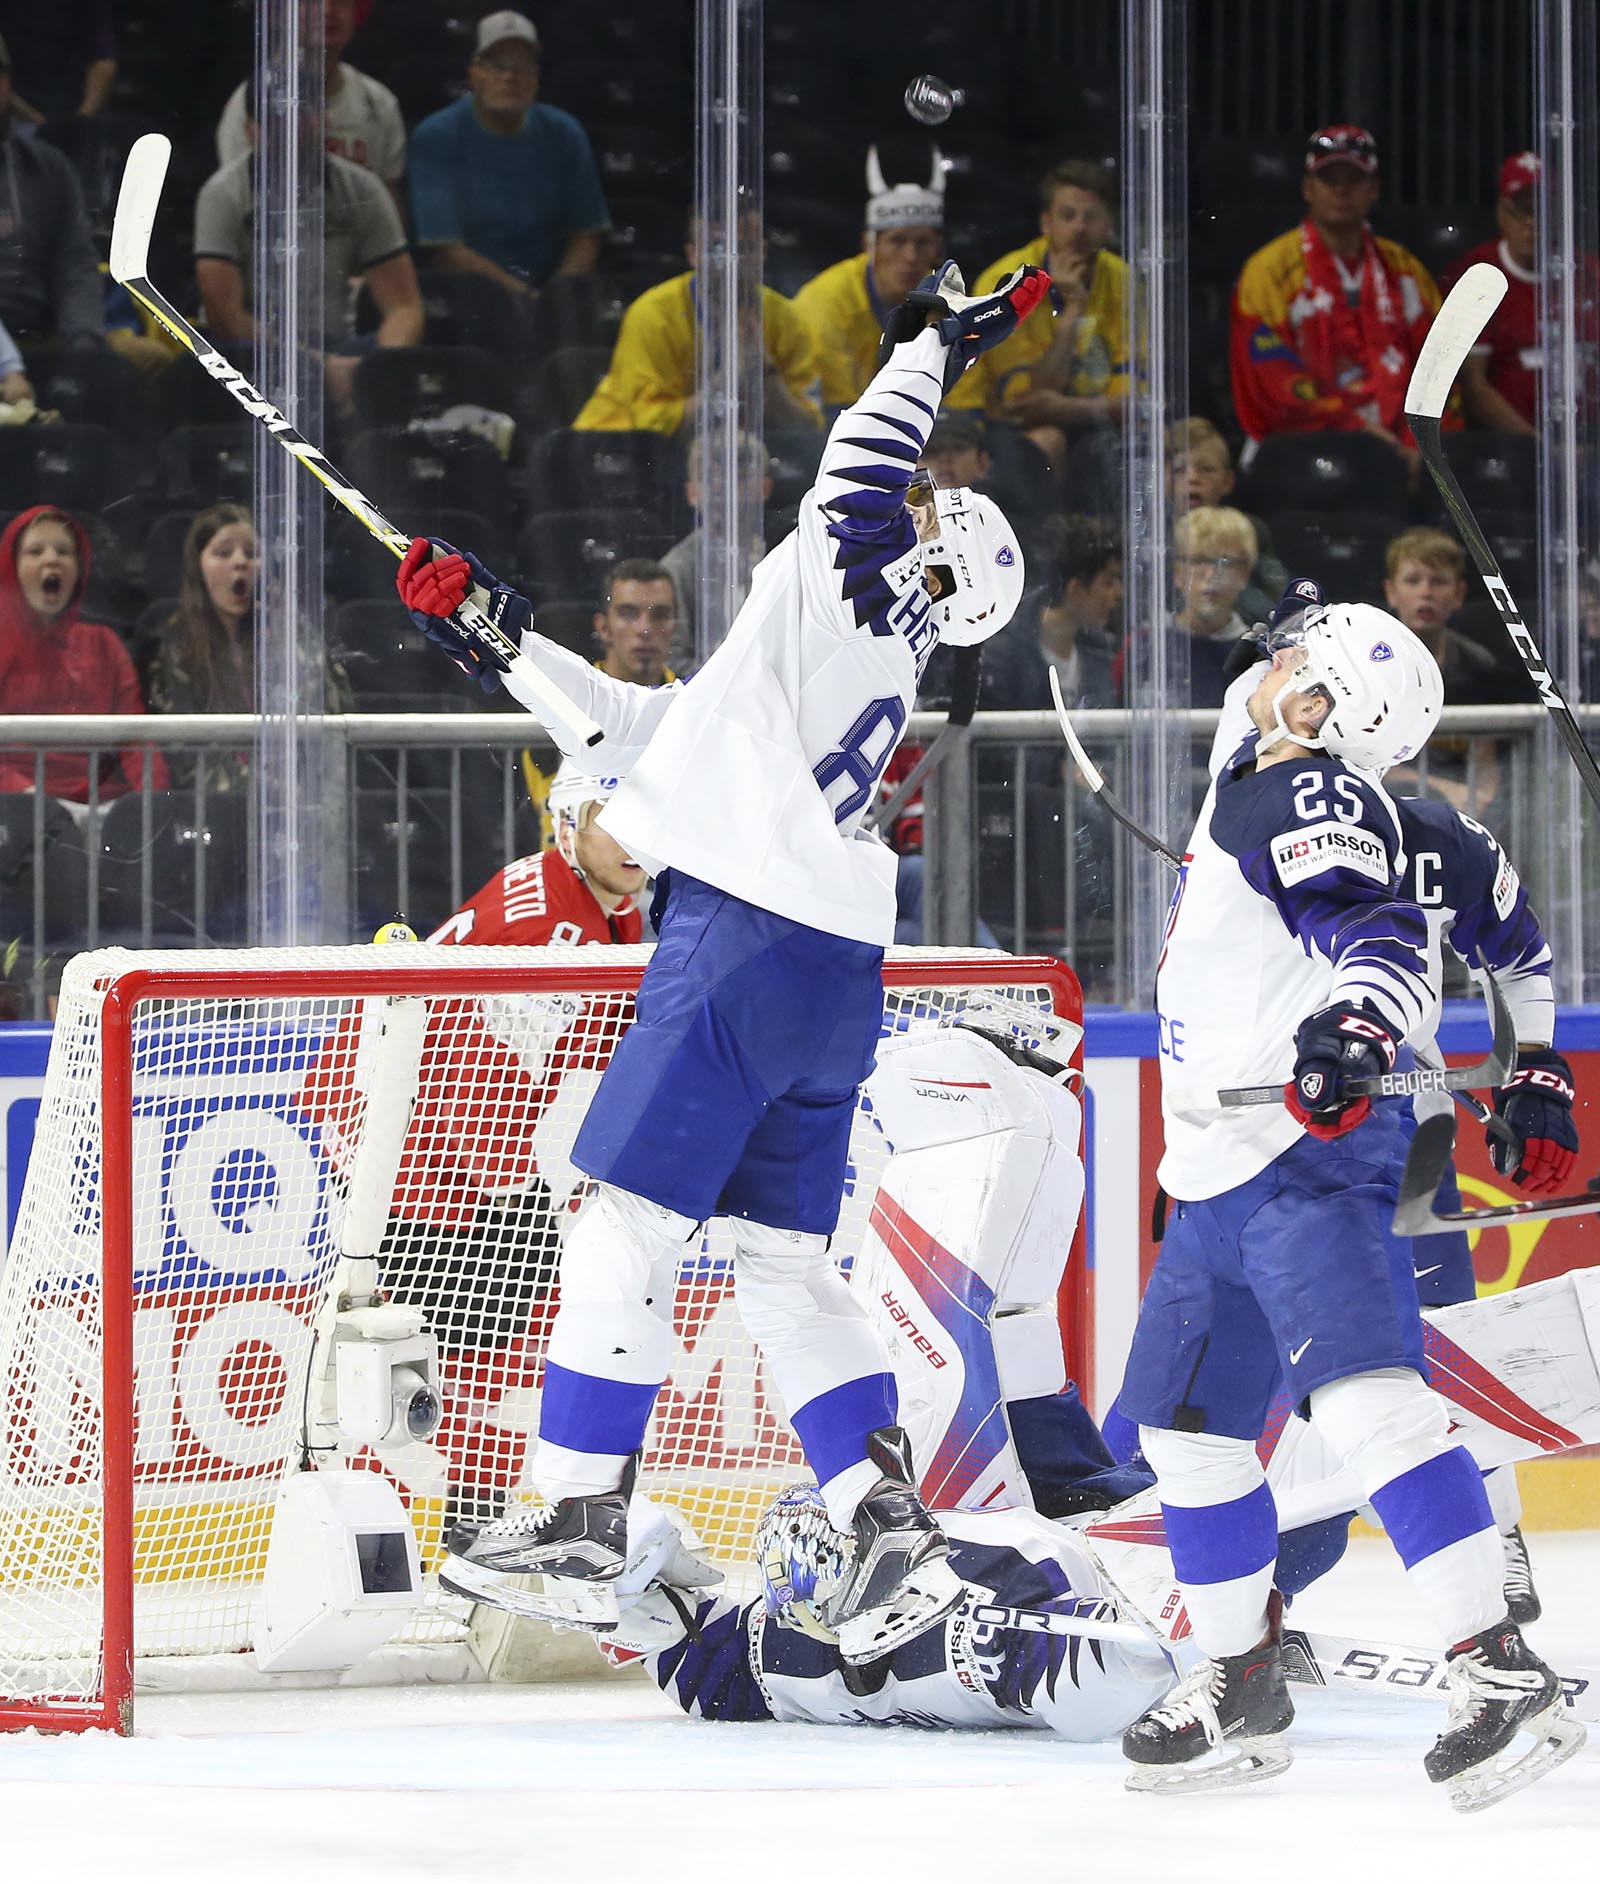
<point x="485" y="1184"/>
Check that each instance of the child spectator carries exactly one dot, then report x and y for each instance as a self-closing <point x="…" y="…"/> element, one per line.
<point x="846" y="308"/>
<point x="1328" y="318"/>
<point x="1214" y="549"/>
<point x="1426" y="586"/>
<point x="500" y="184"/>
<point x="1199" y="473"/>
<point x="1067" y="623"/>
<point x="52" y="661"/>
<point x="361" y="117"/>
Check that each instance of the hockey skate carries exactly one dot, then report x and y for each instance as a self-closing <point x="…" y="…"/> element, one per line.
<point x="1522" y="1599"/>
<point x="899" y="1581"/>
<point x="1498" y="1689"/>
<point x="579" y="1547"/>
<point x="1236" y="1705"/>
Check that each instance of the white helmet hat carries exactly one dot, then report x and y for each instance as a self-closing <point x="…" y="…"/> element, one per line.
<point x="803" y="1556"/>
<point x="1384" y="687"/>
<point x="979" y="562"/>
<point x="570" y="790"/>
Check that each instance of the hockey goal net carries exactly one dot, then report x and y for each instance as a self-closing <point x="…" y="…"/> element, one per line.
<point x="180" y="1230"/>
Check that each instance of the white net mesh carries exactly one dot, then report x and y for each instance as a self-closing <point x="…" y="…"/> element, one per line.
<point x="243" y="1114"/>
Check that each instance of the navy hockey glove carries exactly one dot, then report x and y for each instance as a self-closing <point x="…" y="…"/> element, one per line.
<point x="968" y="324"/>
<point x="1331" y="1047"/>
<point x="1536" y="1102"/>
<point x="433" y="589"/>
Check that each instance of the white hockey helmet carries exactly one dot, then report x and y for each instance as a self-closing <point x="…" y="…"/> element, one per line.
<point x="570" y="790"/>
<point x="979" y="563"/>
<point x="1384" y="688"/>
<point x="803" y="1556"/>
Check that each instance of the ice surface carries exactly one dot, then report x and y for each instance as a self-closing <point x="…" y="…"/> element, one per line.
<point x="575" y="1784"/>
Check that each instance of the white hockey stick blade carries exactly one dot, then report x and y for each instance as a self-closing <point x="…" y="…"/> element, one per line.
<point x="1094" y="778"/>
<point x="1451" y="338"/>
<point x="1426" y="1162"/>
<point x="1092" y="775"/>
<point x="137" y="203"/>
<point x="1317" y="1660"/>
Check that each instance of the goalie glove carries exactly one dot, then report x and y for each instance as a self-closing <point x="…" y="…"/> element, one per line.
<point x="1536" y="1102"/>
<point x="434" y="588"/>
<point x="967" y="324"/>
<point x="1334" y="1046"/>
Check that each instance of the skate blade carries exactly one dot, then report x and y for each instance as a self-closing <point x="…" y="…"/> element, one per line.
<point x="564" y="1601"/>
<point x="1560" y="1736"/>
<point x="1247" y="1763"/>
<point x="927" y="1599"/>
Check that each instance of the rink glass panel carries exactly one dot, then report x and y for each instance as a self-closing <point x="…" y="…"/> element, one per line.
<point x="180" y="1230"/>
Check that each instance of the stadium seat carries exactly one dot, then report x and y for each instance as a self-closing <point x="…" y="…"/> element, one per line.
<point x="196" y="867"/>
<point x="91" y="386"/>
<point x="410" y="474"/>
<point x="561" y="386"/>
<point x="569" y="621"/>
<point x="647" y="222"/>
<point x="1342" y="550"/>
<point x="64" y="903"/>
<point x="1327" y="471"/>
<point x="78" y="467"/>
<point x="468" y="311"/>
<point x="163" y="552"/>
<point x="610" y="470"/>
<point x="806" y="234"/>
<point x="582" y="310"/>
<point x="1245" y="170"/>
<point x="641" y="157"/>
<point x="403" y="845"/>
<point x="609" y="89"/>
<point x="390" y="666"/>
<point x="207" y="464"/>
<point x="1497" y="471"/>
<point x="793" y="454"/>
<point x="571" y="552"/>
<point x="395" y="385"/>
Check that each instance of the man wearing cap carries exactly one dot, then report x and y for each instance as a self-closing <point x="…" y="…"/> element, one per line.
<point x="846" y="308"/>
<point x="1328" y="318"/>
<point x="1056" y="377"/>
<point x="1500" y="382"/>
<point x="501" y="185"/>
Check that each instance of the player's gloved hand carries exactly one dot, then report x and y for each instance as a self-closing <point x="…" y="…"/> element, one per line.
<point x="1536" y="1102"/>
<point x="1333" y="1047"/>
<point x="968" y="324"/>
<point x="433" y="588"/>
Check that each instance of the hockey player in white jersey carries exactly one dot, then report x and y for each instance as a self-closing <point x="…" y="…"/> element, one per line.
<point x="1291" y="955"/>
<point x="733" y="1094"/>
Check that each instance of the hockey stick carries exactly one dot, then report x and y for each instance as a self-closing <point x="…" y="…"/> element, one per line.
<point x="1426" y="1162"/>
<point x="1094" y="778"/>
<point x="1455" y="330"/>
<point x="966" y="665"/>
<point x="1311" y="1658"/>
<point x="137" y="202"/>
<point x="1451" y="1079"/>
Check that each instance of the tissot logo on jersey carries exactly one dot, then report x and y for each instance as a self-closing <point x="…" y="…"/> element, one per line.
<point x="1297" y="855"/>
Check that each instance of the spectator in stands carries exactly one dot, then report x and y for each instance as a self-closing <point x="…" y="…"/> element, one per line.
<point x="500" y="184"/>
<point x="50" y="290"/>
<point x="52" y="661"/>
<point x="1500" y="381"/>
<point x="636" y="625"/>
<point x="1426" y="585"/>
<point x="1328" y="318"/>
<point x="362" y="237"/>
<point x="204" y="658"/>
<point x="846" y="308"/>
<point x="681" y="562"/>
<point x="361" y="117"/>
<point x="649" y="385"/>
<point x="66" y="53"/>
<point x="1057" y="378"/>
<point x="1200" y="472"/>
<point x="1068" y="622"/>
<point x="1214" y="549"/>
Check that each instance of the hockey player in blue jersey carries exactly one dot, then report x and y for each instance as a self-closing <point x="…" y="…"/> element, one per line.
<point x="1292" y="955"/>
<point x="733" y="1093"/>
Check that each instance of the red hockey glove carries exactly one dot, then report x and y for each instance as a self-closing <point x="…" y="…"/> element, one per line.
<point x="1536" y="1102"/>
<point x="1332" y="1047"/>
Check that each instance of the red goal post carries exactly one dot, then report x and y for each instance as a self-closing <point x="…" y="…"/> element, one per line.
<point x="180" y="1228"/>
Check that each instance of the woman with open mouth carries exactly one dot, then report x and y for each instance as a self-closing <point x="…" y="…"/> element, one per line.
<point x="53" y="661"/>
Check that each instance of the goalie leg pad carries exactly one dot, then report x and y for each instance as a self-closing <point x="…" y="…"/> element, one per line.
<point x="611" y="1344"/>
<point x="826" y="1360"/>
